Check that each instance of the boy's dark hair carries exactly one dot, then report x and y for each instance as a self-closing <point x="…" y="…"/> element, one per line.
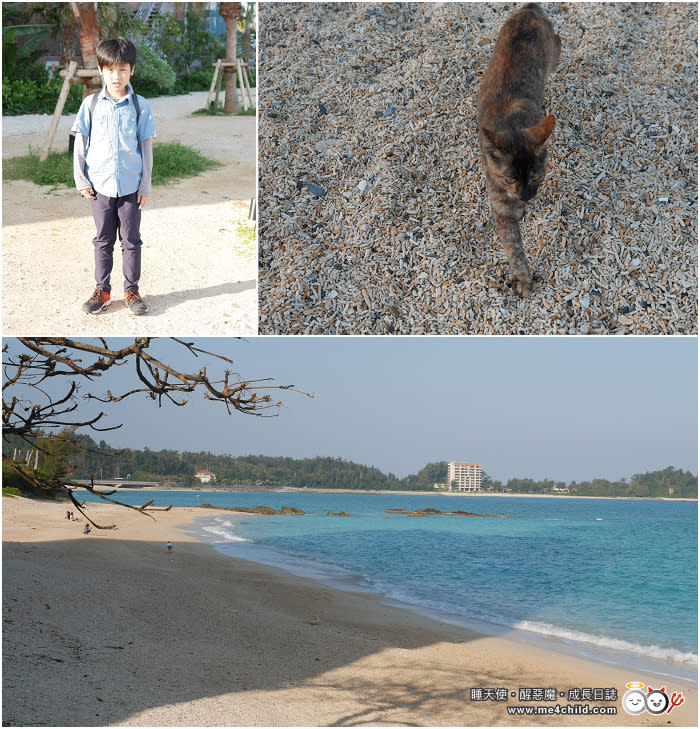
<point x="116" y="50"/>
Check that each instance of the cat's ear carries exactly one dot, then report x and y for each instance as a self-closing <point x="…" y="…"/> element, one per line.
<point x="541" y="132"/>
<point x="496" y="138"/>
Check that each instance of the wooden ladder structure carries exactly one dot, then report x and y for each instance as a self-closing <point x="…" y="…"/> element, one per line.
<point x="242" y="71"/>
<point x="72" y="75"/>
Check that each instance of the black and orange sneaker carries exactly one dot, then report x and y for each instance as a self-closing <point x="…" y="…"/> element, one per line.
<point x="135" y="303"/>
<point x="98" y="302"/>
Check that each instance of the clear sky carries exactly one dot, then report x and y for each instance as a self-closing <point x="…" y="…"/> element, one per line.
<point x="561" y="408"/>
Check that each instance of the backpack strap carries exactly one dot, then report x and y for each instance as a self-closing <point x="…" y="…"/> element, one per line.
<point x="138" y="114"/>
<point x="93" y="104"/>
<point x="136" y="106"/>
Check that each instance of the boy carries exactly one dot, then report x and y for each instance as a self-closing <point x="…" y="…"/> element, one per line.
<point x="112" y="165"/>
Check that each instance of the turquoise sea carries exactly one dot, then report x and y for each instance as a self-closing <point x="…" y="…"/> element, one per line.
<point x="614" y="580"/>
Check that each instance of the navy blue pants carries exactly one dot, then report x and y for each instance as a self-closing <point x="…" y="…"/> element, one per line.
<point x="117" y="215"/>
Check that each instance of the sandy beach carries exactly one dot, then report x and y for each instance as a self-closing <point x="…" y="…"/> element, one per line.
<point x="111" y="629"/>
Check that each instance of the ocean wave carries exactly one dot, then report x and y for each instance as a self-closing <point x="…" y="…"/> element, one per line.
<point x="473" y="616"/>
<point x="615" y="644"/>
<point x="223" y="531"/>
<point x="401" y="563"/>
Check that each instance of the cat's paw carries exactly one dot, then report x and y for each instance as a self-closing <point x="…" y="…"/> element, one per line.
<point x="522" y="286"/>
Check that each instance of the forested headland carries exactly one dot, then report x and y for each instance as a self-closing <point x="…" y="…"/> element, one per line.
<point x="177" y="469"/>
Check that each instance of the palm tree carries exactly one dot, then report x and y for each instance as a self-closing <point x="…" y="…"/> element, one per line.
<point x="90" y="20"/>
<point x="246" y="23"/>
<point x="89" y="33"/>
<point x="230" y="12"/>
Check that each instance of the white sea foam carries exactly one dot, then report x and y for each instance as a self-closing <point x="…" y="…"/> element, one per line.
<point x="615" y="644"/>
<point x="493" y="624"/>
<point x="222" y="531"/>
<point x="473" y="611"/>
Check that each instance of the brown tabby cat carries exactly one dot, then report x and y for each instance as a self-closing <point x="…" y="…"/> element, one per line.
<point x="512" y="132"/>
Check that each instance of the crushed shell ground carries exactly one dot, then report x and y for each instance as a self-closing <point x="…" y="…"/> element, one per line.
<point x="373" y="211"/>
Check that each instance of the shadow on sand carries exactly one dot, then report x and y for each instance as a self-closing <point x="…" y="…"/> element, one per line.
<point x="160" y="303"/>
<point x="25" y="202"/>
<point x="111" y="628"/>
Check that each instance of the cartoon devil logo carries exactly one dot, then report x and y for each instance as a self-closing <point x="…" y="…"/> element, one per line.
<point x="655" y="701"/>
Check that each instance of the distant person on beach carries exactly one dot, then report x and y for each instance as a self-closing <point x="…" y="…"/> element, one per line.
<point x="112" y="164"/>
<point x="87" y="529"/>
<point x="170" y="546"/>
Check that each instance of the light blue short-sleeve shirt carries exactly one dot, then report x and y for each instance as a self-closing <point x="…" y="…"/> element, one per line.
<point x="113" y="159"/>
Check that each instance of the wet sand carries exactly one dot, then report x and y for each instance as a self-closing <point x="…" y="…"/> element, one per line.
<point x="111" y="629"/>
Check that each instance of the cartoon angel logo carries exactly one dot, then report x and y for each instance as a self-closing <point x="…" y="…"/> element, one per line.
<point x="655" y="701"/>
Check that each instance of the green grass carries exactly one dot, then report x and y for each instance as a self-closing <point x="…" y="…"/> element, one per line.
<point x="218" y="110"/>
<point x="171" y="161"/>
<point x="56" y="170"/>
<point x="246" y="244"/>
<point x="246" y="231"/>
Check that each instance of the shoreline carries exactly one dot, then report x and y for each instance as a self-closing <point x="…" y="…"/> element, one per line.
<point x="565" y="643"/>
<point x="200" y="638"/>
<point x="387" y="492"/>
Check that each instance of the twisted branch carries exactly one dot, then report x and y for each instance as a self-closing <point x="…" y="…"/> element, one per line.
<point x="104" y="495"/>
<point x="48" y="358"/>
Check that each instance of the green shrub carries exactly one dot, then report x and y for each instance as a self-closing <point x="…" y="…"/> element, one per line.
<point x="20" y="62"/>
<point x="187" y="45"/>
<point x="12" y="477"/>
<point x="152" y="75"/>
<point x="27" y="96"/>
<point x="10" y="491"/>
<point x="195" y="81"/>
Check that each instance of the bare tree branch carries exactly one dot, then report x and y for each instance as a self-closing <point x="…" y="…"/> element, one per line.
<point x="33" y="413"/>
<point x="61" y="357"/>
<point x="104" y="495"/>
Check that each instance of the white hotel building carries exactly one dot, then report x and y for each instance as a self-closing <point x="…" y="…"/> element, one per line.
<point x="463" y="476"/>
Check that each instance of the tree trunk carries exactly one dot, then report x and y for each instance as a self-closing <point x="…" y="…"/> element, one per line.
<point x="247" y="44"/>
<point x="230" y="12"/>
<point x="89" y="34"/>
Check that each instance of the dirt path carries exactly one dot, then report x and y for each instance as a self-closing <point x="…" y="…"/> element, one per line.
<point x="199" y="264"/>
